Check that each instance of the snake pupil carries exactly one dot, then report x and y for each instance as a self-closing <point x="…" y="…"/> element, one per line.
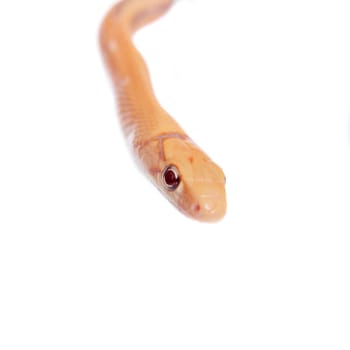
<point x="171" y="178"/>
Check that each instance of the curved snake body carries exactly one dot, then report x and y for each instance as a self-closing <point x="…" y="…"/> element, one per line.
<point x="172" y="161"/>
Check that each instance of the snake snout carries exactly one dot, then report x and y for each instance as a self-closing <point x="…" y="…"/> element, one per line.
<point x="209" y="208"/>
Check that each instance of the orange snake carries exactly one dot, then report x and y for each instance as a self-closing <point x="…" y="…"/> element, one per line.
<point x="187" y="177"/>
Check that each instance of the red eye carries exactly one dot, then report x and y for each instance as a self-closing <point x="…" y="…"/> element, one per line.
<point x="171" y="178"/>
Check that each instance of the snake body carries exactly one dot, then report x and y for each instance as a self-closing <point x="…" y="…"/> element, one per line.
<point x="187" y="177"/>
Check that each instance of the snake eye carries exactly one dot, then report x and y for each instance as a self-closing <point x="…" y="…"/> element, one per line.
<point x="171" y="178"/>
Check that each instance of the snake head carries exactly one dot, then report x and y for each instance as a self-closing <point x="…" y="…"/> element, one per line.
<point x="190" y="180"/>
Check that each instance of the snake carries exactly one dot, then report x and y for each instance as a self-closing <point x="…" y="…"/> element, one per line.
<point x="173" y="162"/>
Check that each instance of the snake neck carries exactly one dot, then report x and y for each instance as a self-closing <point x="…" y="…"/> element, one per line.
<point x="139" y="110"/>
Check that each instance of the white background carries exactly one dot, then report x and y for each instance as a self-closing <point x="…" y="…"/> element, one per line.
<point x="93" y="257"/>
